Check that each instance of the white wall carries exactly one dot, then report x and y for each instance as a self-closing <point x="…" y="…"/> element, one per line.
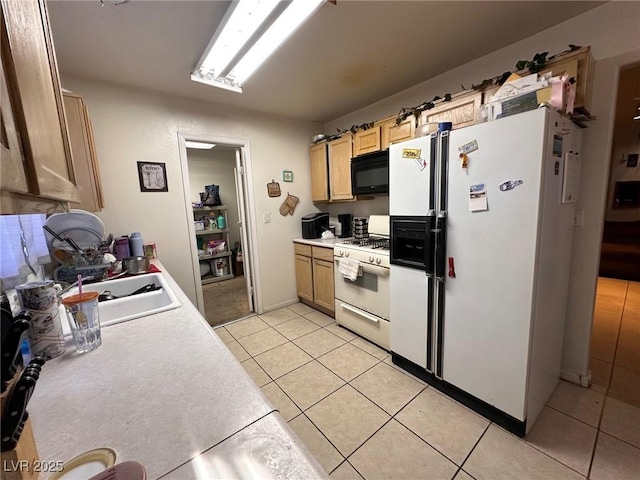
<point x="130" y="125"/>
<point x="613" y="32"/>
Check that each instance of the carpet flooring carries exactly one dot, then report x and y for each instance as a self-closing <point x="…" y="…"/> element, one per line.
<point x="225" y="301"/>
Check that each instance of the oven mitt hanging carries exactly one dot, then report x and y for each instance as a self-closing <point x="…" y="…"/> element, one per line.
<point x="291" y="202"/>
<point x="289" y="205"/>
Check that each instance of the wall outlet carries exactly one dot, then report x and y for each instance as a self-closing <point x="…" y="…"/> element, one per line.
<point x="266" y="217"/>
<point x="578" y="218"/>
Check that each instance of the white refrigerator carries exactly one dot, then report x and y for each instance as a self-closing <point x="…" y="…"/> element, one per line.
<point x="482" y="317"/>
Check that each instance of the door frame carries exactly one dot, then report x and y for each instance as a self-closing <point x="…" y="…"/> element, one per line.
<point x="250" y="251"/>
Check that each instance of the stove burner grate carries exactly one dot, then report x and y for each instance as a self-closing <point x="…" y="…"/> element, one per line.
<point x="369" y="242"/>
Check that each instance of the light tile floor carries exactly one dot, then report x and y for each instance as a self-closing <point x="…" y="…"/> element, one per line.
<point x="362" y="417"/>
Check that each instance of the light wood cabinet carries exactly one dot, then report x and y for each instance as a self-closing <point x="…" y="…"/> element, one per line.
<point x="461" y="111"/>
<point x="392" y="133"/>
<point x="37" y="117"/>
<point x="304" y="277"/>
<point x="578" y="64"/>
<point x="340" y="153"/>
<point x="367" y="141"/>
<point x="85" y="161"/>
<point x="14" y="176"/>
<point x="331" y="170"/>
<point x="319" y="172"/>
<point x="314" y="276"/>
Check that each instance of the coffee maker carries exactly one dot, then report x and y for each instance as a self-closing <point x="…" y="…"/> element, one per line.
<point x="345" y="225"/>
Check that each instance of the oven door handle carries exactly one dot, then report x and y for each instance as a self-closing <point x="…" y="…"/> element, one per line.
<point x="359" y="313"/>
<point x="373" y="269"/>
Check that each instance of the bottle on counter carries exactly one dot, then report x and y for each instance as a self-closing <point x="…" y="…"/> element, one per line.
<point x="136" y="244"/>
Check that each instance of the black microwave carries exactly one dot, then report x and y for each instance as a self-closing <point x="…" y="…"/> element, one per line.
<point x="370" y="174"/>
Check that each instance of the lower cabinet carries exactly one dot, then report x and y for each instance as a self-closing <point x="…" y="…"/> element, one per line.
<point x="314" y="277"/>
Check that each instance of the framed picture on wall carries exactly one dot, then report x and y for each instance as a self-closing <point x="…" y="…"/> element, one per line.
<point x="287" y="176"/>
<point x="152" y="177"/>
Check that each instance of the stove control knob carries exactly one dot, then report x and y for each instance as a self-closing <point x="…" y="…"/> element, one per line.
<point x="370" y="258"/>
<point x="378" y="260"/>
<point x="341" y="253"/>
<point x="346" y="254"/>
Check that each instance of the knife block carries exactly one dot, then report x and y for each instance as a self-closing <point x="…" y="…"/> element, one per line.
<point x="21" y="463"/>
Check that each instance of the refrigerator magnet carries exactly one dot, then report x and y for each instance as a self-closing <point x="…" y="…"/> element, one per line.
<point x="509" y="185"/>
<point x="412" y="153"/>
<point x="478" y="198"/>
<point x="467" y="148"/>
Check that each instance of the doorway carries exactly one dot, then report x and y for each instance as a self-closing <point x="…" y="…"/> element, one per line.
<point x="221" y="240"/>
<point x="614" y="354"/>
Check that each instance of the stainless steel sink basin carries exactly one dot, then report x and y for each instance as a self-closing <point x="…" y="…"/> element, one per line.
<point x="127" y="308"/>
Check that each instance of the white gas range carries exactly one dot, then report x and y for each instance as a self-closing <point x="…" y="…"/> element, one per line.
<point x="362" y="283"/>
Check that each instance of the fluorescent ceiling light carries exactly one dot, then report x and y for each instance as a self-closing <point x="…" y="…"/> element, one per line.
<point x="240" y="22"/>
<point x="247" y="36"/>
<point x="199" y="145"/>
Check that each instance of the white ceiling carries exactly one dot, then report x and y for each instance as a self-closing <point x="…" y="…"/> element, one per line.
<point x="345" y="57"/>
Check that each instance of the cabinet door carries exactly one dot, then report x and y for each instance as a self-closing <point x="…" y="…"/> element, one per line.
<point x="366" y="141"/>
<point x="392" y="133"/>
<point x="13" y="176"/>
<point x="304" y="277"/>
<point x="85" y="162"/>
<point x="461" y="111"/>
<point x="41" y="119"/>
<point x="319" y="172"/>
<point x="323" y="284"/>
<point x="340" y="168"/>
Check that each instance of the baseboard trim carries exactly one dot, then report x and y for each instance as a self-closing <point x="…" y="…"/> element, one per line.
<point x="582" y="380"/>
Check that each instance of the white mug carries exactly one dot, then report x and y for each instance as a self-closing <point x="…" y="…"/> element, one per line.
<point x="40" y="301"/>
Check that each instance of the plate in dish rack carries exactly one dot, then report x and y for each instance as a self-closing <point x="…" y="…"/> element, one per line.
<point x="84" y="227"/>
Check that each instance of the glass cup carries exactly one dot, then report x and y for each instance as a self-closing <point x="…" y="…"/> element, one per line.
<point x="84" y="318"/>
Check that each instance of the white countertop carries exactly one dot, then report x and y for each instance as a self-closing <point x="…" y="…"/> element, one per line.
<point x="319" y="242"/>
<point x="161" y="390"/>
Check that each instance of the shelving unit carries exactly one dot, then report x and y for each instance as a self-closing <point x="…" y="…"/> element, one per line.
<point x="223" y="234"/>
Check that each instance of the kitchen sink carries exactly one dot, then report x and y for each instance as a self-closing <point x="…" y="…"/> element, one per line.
<point x="127" y="307"/>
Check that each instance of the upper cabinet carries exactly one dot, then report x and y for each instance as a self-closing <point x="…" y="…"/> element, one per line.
<point x="319" y="172"/>
<point x="461" y="112"/>
<point x="340" y="153"/>
<point x="394" y="133"/>
<point x="331" y="170"/>
<point x="367" y="141"/>
<point x="33" y="118"/>
<point x="85" y="161"/>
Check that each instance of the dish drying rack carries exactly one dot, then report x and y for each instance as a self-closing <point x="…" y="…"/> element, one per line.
<point x="75" y="260"/>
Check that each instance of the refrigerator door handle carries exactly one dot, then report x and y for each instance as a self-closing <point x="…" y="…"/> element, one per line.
<point x="441" y="245"/>
<point x="429" y="243"/>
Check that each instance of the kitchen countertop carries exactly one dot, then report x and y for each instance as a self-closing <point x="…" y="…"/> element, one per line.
<point x="319" y="242"/>
<point x="165" y="391"/>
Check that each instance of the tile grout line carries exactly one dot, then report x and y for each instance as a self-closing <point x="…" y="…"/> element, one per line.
<point x="604" y="403"/>
<point x="472" y="449"/>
